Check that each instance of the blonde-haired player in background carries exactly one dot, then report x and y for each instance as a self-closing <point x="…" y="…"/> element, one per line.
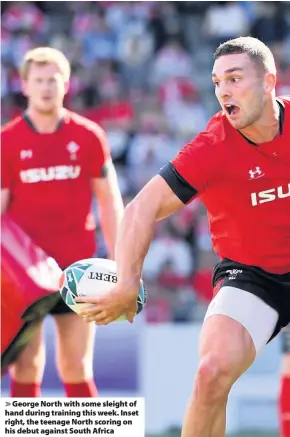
<point x="53" y="163"/>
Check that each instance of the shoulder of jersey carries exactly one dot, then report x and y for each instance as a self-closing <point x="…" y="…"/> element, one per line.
<point x="13" y="125"/>
<point x="211" y="142"/>
<point x="84" y="123"/>
<point x="215" y="134"/>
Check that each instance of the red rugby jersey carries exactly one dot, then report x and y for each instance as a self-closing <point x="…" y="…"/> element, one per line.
<point x="245" y="189"/>
<point x="49" y="176"/>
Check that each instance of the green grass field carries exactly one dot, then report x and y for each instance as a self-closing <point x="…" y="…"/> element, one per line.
<point x="247" y="434"/>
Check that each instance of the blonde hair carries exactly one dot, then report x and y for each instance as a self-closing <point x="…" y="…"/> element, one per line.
<point x="42" y="56"/>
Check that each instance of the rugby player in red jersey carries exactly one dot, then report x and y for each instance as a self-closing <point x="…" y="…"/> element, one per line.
<point x="53" y="163"/>
<point x="240" y="169"/>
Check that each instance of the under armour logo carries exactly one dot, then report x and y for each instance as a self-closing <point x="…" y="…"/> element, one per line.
<point x="256" y="173"/>
<point x="25" y="154"/>
<point x="233" y="273"/>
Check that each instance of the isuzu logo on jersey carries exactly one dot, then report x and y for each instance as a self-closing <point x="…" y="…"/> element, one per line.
<point x="270" y="195"/>
<point x="56" y="173"/>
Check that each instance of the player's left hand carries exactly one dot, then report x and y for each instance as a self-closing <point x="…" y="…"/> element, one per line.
<point x="119" y="301"/>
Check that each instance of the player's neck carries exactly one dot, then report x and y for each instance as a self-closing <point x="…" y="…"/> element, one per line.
<point x="267" y="127"/>
<point x="45" y="123"/>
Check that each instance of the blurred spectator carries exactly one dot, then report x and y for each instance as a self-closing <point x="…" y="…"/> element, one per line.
<point x="158" y="308"/>
<point x="83" y="19"/>
<point x="185" y="225"/>
<point x="99" y="42"/>
<point x="20" y="43"/>
<point x="149" y="149"/>
<point x="164" y="23"/>
<point x="135" y="50"/>
<point x="184" y="304"/>
<point x="115" y="110"/>
<point x="186" y="115"/>
<point x="175" y="89"/>
<point x="202" y="284"/>
<point x="8" y="109"/>
<point x="283" y="79"/>
<point x="5" y="44"/>
<point x="225" y="20"/>
<point x="23" y="16"/>
<point x="270" y="26"/>
<point x="4" y="81"/>
<point x="171" y="61"/>
<point x="170" y="252"/>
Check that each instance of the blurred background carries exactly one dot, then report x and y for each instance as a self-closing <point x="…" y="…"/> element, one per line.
<point x="142" y="70"/>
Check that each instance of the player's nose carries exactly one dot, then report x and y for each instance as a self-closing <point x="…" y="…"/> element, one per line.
<point x="46" y="85"/>
<point x="224" y="91"/>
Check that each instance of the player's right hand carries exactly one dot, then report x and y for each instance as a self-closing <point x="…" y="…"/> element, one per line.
<point x="122" y="299"/>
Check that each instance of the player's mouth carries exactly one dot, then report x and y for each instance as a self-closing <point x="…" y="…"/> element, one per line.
<point x="232" y="110"/>
<point x="46" y="98"/>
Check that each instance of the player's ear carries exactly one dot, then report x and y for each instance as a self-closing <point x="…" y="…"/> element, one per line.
<point x="270" y="82"/>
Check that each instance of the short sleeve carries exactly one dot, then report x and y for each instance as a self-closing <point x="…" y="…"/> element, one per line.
<point x="191" y="171"/>
<point x="100" y="155"/>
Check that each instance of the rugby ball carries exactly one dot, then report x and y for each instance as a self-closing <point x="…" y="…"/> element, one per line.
<point x="92" y="277"/>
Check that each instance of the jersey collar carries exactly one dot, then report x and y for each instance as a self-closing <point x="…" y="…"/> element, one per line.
<point x="30" y="124"/>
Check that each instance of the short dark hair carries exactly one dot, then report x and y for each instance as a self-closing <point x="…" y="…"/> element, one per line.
<point x="255" y="49"/>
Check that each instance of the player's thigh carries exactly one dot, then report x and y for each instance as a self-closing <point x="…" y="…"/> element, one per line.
<point x="33" y="355"/>
<point x="226" y="346"/>
<point x="247" y="326"/>
<point x="75" y="338"/>
<point x="286" y="350"/>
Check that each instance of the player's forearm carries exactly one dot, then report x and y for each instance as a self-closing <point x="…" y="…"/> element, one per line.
<point x="111" y="211"/>
<point x="133" y="241"/>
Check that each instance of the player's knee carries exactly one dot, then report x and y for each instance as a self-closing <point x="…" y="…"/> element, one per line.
<point x="214" y="378"/>
<point x="72" y="367"/>
<point x="28" y="367"/>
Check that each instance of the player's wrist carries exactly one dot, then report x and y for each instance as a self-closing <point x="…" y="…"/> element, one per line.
<point x="129" y="282"/>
